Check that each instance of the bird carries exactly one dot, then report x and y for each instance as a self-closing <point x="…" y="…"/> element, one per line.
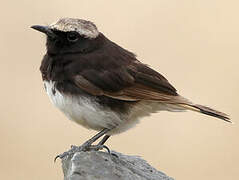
<point x="102" y="86"/>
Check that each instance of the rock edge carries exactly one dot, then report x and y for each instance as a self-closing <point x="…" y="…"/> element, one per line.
<point x="104" y="166"/>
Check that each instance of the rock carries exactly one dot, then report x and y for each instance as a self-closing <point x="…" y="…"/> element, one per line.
<point x="103" y="166"/>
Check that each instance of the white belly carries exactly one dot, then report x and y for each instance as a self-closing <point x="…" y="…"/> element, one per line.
<point x="82" y="110"/>
<point x="90" y="114"/>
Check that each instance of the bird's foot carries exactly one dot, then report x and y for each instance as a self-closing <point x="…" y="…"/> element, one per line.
<point x="72" y="151"/>
<point x="84" y="147"/>
<point x="99" y="147"/>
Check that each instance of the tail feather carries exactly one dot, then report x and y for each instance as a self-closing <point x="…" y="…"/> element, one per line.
<point x="207" y="111"/>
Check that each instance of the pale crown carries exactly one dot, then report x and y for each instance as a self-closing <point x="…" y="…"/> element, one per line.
<point x="83" y="27"/>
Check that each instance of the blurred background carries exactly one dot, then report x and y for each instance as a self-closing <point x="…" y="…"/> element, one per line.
<point x="194" y="43"/>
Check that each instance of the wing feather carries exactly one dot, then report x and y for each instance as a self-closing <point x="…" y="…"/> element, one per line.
<point x="87" y="86"/>
<point x="134" y="83"/>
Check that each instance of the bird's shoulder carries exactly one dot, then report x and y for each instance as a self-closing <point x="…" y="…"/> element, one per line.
<point x="127" y="81"/>
<point x="110" y="70"/>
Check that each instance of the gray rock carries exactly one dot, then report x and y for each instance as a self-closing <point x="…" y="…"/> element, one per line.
<point x="103" y="166"/>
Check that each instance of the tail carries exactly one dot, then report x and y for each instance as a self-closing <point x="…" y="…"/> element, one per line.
<point x="206" y="110"/>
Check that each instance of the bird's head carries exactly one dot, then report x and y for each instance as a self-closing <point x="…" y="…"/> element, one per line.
<point x="69" y="35"/>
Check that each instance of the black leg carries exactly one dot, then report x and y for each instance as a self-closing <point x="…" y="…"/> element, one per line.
<point x="87" y="146"/>
<point x="105" y="138"/>
<point x="101" y="144"/>
<point x="97" y="136"/>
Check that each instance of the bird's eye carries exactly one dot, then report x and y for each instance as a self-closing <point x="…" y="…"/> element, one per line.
<point x="72" y="36"/>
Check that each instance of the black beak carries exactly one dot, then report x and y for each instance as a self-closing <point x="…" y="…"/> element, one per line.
<point x="44" y="29"/>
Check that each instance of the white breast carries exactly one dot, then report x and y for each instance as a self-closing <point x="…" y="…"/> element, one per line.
<point x="90" y="114"/>
<point x="82" y="110"/>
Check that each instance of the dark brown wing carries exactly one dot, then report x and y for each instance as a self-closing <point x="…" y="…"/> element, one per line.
<point x="132" y="82"/>
<point x="136" y="84"/>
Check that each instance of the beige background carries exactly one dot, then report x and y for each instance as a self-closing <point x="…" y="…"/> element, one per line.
<point x="194" y="43"/>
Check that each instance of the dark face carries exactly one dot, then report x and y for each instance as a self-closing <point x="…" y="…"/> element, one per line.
<point x="69" y="42"/>
<point x="59" y="42"/>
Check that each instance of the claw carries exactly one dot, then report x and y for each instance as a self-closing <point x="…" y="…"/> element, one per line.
<point x="84" y="147"/>
<point x="108" y="150"/>
<point x="87" y="146"/>
<point x="56" y="158"/>
<point x="115" y="155"/>
<point x="73" y="150"/>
